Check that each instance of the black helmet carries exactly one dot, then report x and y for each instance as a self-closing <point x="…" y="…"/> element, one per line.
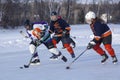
<point x="28" y="23"/>
<point x="53" y="13"/>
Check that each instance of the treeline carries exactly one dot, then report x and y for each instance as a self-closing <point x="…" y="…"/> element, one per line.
<point x="13" y="13"/>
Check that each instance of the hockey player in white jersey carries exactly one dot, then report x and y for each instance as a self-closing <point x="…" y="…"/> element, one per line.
<point x="40" y="35"/>
<point x="33" y="45"/>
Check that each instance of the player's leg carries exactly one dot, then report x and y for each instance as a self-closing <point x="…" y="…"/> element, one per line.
<point x="33" y="51"/>
<point x="54" y="50"/>
<point x="66" y="43"/>
<point x="107" y="43"/>
<point x="101" y="52"/>
<point x="73" y="43"/>
<point x="55" y="40"/>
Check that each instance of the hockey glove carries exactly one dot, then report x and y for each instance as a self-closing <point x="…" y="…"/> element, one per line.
<point x="91" y="44"/>
<point x="55" y="36"/>
<point x="65" y="33"/>
<point x="38" y="42"/>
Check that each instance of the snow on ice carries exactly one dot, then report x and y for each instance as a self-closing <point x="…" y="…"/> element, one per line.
<point x="14" y="53"/>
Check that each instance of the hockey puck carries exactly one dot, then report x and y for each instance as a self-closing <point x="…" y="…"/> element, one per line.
<point x="21" y="67"/>
<point x="67" y="67"/>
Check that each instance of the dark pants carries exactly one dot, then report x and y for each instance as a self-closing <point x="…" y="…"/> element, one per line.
<point x="107" y="44"/>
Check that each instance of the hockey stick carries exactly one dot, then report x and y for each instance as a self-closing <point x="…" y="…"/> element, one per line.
<point x="74" y="37"/>
<point x="28" y="65"/>
<point x="23" y="34"/>
<point x="68" y="67"/>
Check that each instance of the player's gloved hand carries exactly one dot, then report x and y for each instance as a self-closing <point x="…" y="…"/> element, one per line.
<point x="91" y="44"/>
<point x="38" y="42"/>
<point x="26" y="37"/>
<point x="21" y="31"/>
<point x="65" y="33"/>
<point x="55" y="36"/>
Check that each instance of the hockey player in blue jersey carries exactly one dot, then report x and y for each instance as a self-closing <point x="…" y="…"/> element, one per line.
<point x="40" y="35"/>
<point x="102" y="34"/>
<point x="61" y="30"/>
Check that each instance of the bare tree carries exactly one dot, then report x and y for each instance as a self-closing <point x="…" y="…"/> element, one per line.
<point x="13" y="12"/>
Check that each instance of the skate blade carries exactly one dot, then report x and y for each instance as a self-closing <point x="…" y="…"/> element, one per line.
<point x="103" y="63"/>
<point x="115" y="63"/>
<point x="54" y="59"/>
<point x="33" y="64"/>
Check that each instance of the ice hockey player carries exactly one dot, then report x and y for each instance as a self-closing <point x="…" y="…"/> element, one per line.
<point x="33" y="45"/>
<point x="61" y="30"/>
<point x="42" y="36"/>
<point x="102" y="34"/>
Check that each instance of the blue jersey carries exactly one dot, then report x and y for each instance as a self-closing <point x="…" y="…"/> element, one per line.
<point x="100" y="29"/>
<point x="58" y="26"/>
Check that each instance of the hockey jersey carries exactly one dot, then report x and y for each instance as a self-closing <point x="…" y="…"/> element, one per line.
<point x="100" y="30"/>
<point x="40" y="31"/>
<point x="59" y="26"/>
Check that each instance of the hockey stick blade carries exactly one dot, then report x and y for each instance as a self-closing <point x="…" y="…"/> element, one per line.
<point x="26" y="66"/>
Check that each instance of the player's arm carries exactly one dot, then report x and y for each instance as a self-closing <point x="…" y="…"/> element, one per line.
<point x="66" y="27"/>
<point x="51" y="29"/>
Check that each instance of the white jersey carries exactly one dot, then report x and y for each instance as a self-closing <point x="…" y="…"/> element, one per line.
<point x="30" y="35"/>
<point x="40" y="31"/>
<point x="41" y="26"/>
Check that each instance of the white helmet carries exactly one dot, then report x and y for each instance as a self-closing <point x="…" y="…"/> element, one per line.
<point x="89" y="16"/>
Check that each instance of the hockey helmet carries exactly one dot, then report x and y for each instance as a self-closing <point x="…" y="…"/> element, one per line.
<point x="53" y="13"/>
<point x="54" y="16"/>
<point x="89" y="16"/>
<point x="28" y="25"/>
